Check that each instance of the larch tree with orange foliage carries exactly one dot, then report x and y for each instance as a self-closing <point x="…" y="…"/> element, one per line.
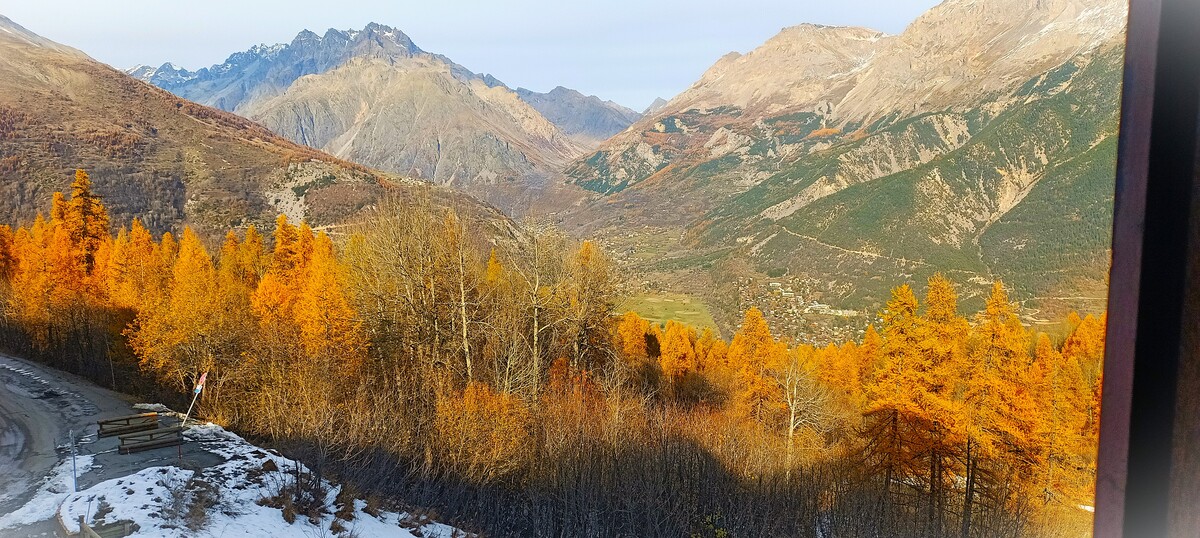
<point x="840" y="370"/>
<point x="894" y="412"/>
<point x="711" y="351"/>
<point x="184" y="336"/>
<point x="138" y="278"/>
<point x="86" y="221"/>
<point x="33" y="284"/>
<point x="1057" y="384"/>
<point x="329" y="327"/>
<point x="677" y="358"/>
<point x="752" y="350"/>
<point x="275" y="298"/>
<point x="1000" y="412"/>
<point x="943" y="344"/>
<point x="870" y="355"/>
<point x="1085" y="346"/>
<point x="55" y="287"/>
<point x="630" y="338"/>
<point x="8" y="255"/>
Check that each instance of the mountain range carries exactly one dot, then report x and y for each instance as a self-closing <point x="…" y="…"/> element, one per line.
<point x="373" y="97"/>
<point x="979" y="142"/>
<point x="160" y="158"/>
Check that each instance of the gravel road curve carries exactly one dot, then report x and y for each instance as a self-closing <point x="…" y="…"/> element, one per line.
<point x="39" y="407"/>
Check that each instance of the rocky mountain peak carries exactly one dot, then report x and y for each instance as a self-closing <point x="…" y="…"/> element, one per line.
<point x="798" y="67"/>
<point x="374" y="40"/>
<point x="995" y="44"/>
<point x="585" y="118"/>
<point x="264" y="70"/>
<point x="490" y="81"/>
<point x="305" y="36"/>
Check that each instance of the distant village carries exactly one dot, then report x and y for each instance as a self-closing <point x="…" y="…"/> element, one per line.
<point x="793" y="309"/>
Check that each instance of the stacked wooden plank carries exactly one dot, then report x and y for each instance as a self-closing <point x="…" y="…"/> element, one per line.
<point x="140" y="432"/>
<point x="146" y="440"/>
<point x="129" y="424"/>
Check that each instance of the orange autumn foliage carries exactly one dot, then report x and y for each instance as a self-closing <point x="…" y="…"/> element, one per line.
<point x="328" y="324"/>
<point x="483" y="431"/>
<point x="932" y="414"/>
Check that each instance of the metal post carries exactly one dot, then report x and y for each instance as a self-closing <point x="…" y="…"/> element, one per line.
<point x="189" y="411"/>
<point x="74" y="476"/>
<point x="196" y="394"/>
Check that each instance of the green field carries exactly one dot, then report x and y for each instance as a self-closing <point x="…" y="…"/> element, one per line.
<point x="661" y="307"/>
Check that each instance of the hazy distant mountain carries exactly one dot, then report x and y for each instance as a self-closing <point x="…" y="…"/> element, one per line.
<point x="372" y="96"/>
<point x="980" y="141"/>
<point x="153" y="155"/>
<point x="655" y="106"/>
<point x="585" y="118"/>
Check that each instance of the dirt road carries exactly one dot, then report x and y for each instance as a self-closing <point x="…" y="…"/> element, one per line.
<point x="39" y="407"/>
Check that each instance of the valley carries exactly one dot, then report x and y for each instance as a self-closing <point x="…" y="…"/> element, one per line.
<point x="847" y="282"/>
<point x="804" y="180"/>
<point x="771" y="161"/>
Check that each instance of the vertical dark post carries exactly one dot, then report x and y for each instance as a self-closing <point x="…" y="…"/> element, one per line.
<point x="1156" y="172"/>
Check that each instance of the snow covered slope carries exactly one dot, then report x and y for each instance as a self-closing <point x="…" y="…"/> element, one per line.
<point x="230" y="499"/>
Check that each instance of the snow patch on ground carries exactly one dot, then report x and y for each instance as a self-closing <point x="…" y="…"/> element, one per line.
<point x="58" y="486"/>
<point x="158" y="499"/>
<point x="152" y="408"/>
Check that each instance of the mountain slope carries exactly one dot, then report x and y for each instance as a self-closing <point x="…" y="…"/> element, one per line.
<point x="776" y="95"/>
<point x="151" y="154"/>
<point x="979" y="141"/>
<point x="810" y="85"/>
<point x="376" y="98"/>
<point x="417" y="120"/>
<point x="1028" y="198"/>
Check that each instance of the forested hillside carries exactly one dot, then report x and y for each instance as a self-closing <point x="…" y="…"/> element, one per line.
<point x="433" y="358"/>
<point x="979" y="142"/>
<point x="1026" y="197"/>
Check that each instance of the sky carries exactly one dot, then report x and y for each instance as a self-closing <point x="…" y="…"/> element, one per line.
<point x="628" y="51"/>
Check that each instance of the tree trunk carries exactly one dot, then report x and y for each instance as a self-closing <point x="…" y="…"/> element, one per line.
<point x="462" y="309"/>
<point x="791" y="446"/>
<point x="969" y="498"/>
<point x="537" y="352"/>
<point x="893" y="457"/>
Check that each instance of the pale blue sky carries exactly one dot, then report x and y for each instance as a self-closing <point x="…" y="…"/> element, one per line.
<point x="629" y="51"/>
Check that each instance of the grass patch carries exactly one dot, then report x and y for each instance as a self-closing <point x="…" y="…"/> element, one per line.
<point x="660" y="307"/>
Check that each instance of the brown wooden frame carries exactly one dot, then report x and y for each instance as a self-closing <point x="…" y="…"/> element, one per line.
<point x="1147" y="476"/>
